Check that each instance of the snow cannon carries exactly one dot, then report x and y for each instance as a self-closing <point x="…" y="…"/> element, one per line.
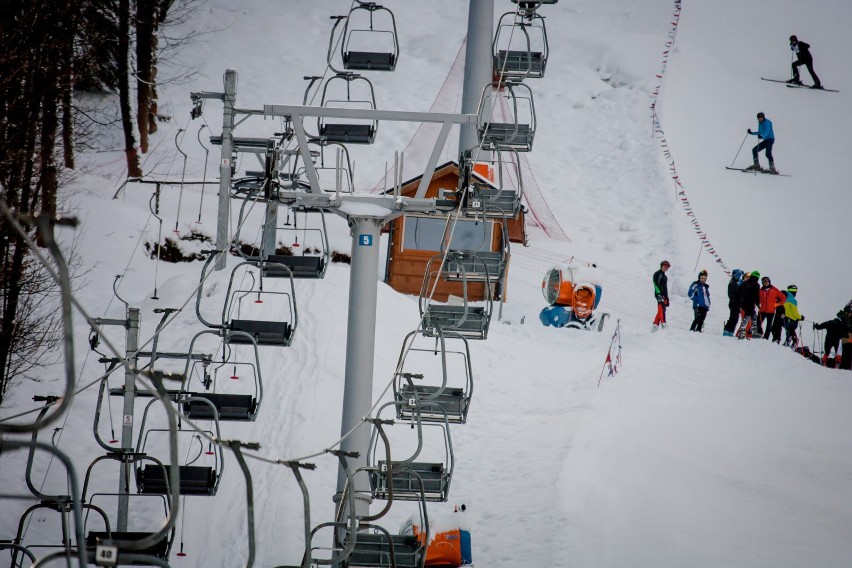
<point x="449" y="543"/>
<point x="573" y="295"/>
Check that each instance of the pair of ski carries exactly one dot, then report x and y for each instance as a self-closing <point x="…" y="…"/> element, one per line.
<point x="760" y="171"/>
<point x="801" y="86"/>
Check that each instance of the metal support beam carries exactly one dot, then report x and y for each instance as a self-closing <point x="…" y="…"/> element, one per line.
<point x="229" y="99"/>
<point x="360" y="349"/>
<point x="433" y="161"/>
<point x="130" y="348"/>
<point x="478" y="70"/>
<point x="293" y="111"/>
<point x="270" y="224"/>
<point x="302" y="139"/>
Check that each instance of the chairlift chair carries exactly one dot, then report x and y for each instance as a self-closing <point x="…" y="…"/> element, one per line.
<point x="514" y="101"/>
<point x="362" y="543"/>
<point x="231" y="407"/>
<point x="236" y="329"/>
<point x="482" y="265"/>
<point x="339" y="130"/>
<point x="411" y="479"/>
<point x="370" y="40"/>
<point x="374" y="550"/>
<point x="434" y="396"/>
<point x="160" y="548"/>
<point x="193" y="479"/>
<point x="520" y="47"/>
<point x="464" y="319"/>
<point x="305" y="265"/>
<point x="500" y="199"/>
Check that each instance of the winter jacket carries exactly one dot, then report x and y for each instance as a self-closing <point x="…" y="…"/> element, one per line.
<point x="749" y="295"/>
<point x="802" y="51"/>
<point x="764" y="130"/>
<point x="770" y="298"/>
<point x="661" y="286"/>
<point x="835" y="330"/>
<point x="846" y="320"/>
<point x="734" y="293"/>
<point x="700" y="293"/>
<point x="791" y="308"/>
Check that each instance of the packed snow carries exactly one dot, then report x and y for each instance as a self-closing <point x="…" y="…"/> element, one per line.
<point x="700" y="449"/>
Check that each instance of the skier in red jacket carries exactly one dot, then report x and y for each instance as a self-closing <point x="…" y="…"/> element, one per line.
<point x="771" y="308"/>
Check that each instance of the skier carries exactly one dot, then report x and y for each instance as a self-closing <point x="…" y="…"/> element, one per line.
<point x="802" y="51"/>
<point x="767" y="139"/>
<point x="733" y="302"/>
<point x="749" y="298"/>
<point x="845" y="316"/>
<point x="835" y="329"/>
<point x="699" y="291"/>
<point x="791" y="312"/>
<point x="661" y="294"/>
<point x="771" y="299"/>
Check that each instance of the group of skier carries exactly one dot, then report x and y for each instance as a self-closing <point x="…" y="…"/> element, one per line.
<point x="759" y="309"/>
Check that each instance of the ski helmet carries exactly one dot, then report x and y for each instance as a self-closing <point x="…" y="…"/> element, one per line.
<point x="737" y="273"/>
<point x="792" y="288"/>
<point x="755" y="274"/>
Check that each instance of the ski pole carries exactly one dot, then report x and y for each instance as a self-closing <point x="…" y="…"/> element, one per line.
<point x="738" y="151"/>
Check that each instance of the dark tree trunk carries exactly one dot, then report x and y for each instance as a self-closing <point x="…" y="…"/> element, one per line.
<point x="145" y="14"/>
<point x="133" y="167"/>
<point x="66" y="86"/>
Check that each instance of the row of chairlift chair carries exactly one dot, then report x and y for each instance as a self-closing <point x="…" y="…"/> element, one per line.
<point x="201" y="472"/>
<point x="419" y="405"/>
<point x="422" y="405"/>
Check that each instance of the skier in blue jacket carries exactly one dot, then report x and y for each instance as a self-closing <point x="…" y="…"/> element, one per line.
<point x="699" y="291"/>
<point x="767" y="140"/>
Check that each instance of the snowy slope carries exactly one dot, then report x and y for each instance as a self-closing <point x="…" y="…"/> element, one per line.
<point x="790" y="228"/>
<point x="701" y="450"/>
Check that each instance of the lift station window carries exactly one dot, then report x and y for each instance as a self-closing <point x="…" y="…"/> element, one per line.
<point x="426" y="234"/>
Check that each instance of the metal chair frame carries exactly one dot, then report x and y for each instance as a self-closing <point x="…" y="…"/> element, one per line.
<point x="517" y="135"/>
<point x="449" y="400"/>
<point x="481" y="199"/>
<point x="218" y="465"/>
<point x="466" y="320"/>
<point x="356" y="132"/>
<point x="529" y="60"/>
<point x="358" y="59"/>
<point x="242" y="331"/>
<point x="404" y="479"/>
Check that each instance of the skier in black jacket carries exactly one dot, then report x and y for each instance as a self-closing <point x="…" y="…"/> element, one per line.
<point x="803" y="57"/>
<point x="661" y="294"/>
<point x="749" y="299"/>
<point x="733" y="301"/>
<point x="845" y="316"/>
<point x="834" y="332"/>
